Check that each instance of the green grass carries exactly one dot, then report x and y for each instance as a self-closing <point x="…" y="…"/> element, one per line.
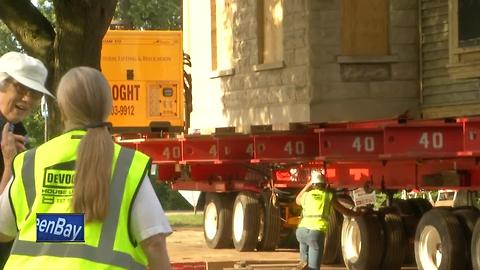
<point x="185" y="220"/>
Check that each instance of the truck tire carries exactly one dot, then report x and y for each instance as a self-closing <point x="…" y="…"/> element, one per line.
<point x="410" y="224"/>
<point x="360" y="237"/>
<point x="332" y="247"/>
<point x="246" y="221"/>
<point x="394" y="242"/>
<point x="420" y="206"/>
<point x="439" y="241"/>
<point x="475" y="246"/>
<point x="467" y="216"/>
<point x="410" y="219"/>
<point x="217" y="220"/>
<point x="270" y="224"/>
<point x="404" y="208"/>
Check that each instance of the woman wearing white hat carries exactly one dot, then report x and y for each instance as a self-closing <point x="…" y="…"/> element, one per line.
<point x="316" y="201"/>
<point x="22" y="80"/>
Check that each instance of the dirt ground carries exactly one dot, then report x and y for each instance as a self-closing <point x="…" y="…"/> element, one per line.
<point x="188" y="245"/>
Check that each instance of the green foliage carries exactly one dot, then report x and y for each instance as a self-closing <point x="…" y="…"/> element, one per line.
<point x="34" y="124"/>
<point x="151" y="14"/>
<point x="170" y="199"/>
<point x="381" y="200"/>
<point x="7" y="40"/>
<point x="185" y="220"/>
<point x="47" y="9"/>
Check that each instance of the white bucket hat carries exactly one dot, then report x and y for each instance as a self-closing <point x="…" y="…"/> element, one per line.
<point x="26" y="70"/>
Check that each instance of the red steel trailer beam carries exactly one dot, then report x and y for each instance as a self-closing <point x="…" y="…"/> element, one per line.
<point x="383" y="154"/>
<point x="351" y="143"/>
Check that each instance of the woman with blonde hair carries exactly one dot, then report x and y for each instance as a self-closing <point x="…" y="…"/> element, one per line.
<point x="83" y="173"/>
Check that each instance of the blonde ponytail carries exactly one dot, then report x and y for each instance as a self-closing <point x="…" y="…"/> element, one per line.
<point x="93" y="171"/>
<point x="85" y="100"/>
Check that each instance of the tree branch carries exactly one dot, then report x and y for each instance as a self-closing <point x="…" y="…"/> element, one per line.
<point x="29" y="27"/>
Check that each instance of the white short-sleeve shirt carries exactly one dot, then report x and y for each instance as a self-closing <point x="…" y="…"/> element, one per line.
<point x="147" y="216"/>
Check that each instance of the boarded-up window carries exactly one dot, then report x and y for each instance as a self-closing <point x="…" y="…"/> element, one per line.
<point x="364" y="27"/>
<point x="221" y="35"/>
<point x="270" y="31"/>
<point x="468" y="22"/>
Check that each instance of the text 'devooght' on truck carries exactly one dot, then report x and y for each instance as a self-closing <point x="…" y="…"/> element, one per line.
<point x="382" y="96"/>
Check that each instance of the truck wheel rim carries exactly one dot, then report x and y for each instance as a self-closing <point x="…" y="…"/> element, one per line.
<point x="430" y="246"/>
<point x="238" y="218"/>
<point x="211" y="221"/>
<point x="353" y="241"/>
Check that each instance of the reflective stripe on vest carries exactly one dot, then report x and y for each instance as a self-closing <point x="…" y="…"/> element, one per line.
<point x="28" y="172"/>
<point x="104" y="253"/>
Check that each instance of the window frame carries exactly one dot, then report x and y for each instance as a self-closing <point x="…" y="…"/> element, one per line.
<point x="457" y="67"/>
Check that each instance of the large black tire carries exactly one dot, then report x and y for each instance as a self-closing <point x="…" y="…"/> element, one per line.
<point x="439" y="241"/>
<point x="217" y="220"/>
<point x="404" y="208"/>
<point x="361" y="237"/>
<point x="270" y="224"/>
<point x="420" y="206"/>
<point x="410" y="224"/>
<point x="475" y="246"/>
<point x="246" y="221"/>
<point x="394" y="253"/>
<point x="332" y="247"/>
<point x="408" y="212"/>
<point x="388" y="210"/>
<point x="467" y="216"/>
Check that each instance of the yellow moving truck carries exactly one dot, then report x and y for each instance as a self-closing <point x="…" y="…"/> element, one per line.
<point x="145" y="71"/>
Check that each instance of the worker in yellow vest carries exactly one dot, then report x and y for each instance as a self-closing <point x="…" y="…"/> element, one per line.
<point x="80" y="201"/>
<point x="316" y="201"/>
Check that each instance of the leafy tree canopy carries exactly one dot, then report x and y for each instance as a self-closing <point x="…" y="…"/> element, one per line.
<point x="150" y="14"/>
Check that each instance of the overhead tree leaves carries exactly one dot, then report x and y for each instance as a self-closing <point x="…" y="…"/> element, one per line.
<point x="150" y="14"/>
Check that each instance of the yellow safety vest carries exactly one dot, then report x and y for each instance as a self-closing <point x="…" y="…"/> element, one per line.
<point x="108" y="243"/>
<point x="316" y="210"/>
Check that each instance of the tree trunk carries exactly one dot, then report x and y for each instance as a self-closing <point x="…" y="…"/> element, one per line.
<point x="81" y="26"/>
<point x="76" y="40"/>
<point x="30" y="28"/>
